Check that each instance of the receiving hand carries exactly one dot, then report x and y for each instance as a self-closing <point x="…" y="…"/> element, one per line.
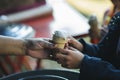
<point x="74" y="43"/>
<point x="69" y="58"/>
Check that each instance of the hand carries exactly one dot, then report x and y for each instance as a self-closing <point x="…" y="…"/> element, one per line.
<point x="39" y="48"/>
<point x="70" y="58"/>
<point x="74" y="43"/>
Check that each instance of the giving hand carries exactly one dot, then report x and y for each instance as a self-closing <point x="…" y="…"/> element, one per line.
<point x="39" y="48"/>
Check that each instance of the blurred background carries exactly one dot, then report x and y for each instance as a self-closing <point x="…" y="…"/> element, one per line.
<point x="40" y="18"/>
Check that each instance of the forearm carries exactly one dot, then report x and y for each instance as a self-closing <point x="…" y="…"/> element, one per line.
<point x="12" y="46"/>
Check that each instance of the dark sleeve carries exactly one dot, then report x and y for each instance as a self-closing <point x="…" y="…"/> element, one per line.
<point x="89" y="49"/>
<point x="103" y="48"/>
<point x="96" y="69"/>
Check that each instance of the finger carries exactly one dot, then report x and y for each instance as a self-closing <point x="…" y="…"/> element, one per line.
<point x="37" y="54"/>
<point x="49" y="40"/>
<point x="64" y="51"/>
<point x="68" y="65"/>
<point x="46" y="39"/>
<point x="71" y="38"/>
<point x="66" y="45"/>
<point x="58" y="61"/>
<point x="61" y="57"/>
<point x="46" y="44"/>
<point x="71" y="48"/>
<point x="64" y="65"/>
<point x="71" y="42"/>
<point x="36" y="46"/>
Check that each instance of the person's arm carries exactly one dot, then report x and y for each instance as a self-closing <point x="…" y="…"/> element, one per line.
<point x="12" y="46"/>
<point x="34" y="47"/>
<point x="96" y="69"/>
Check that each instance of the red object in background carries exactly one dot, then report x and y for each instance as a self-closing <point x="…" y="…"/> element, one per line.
<point x="22" y="8"/>
<point x="94" y="41"/>
<point x="41" y="25"/>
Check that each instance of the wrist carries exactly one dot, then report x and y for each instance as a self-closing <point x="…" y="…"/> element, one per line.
<point x="81" y="59"/>
<point x="27" y="43"/>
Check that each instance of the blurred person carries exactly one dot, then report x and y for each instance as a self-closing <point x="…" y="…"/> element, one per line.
<point x="95" y="32"/>
<point x="96" y="62"/>
<point x="106" y="18"/>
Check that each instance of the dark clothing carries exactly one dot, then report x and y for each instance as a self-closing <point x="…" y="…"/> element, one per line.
<point x="102" y="61"/>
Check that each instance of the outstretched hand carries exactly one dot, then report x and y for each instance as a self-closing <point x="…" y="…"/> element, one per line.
<point x="39" y="48"/>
